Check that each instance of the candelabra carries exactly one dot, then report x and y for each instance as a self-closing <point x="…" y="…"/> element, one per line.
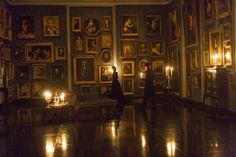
<point x="57" y="100"/>
<point x="169" y="76"/>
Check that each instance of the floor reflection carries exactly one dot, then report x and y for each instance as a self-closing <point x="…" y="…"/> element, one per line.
<point x="172" y="131"/>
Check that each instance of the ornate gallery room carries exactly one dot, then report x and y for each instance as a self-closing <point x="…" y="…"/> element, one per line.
<point x="117" y="78"/>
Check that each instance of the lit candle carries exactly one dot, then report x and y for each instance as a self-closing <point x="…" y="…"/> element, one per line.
<point x="167" y="71"/>
<point x="47" y="95"/>
<point x="171" y="71"/>
<point x="62" y="97"/>
<point x="141" y="75"/>
<point x="228" y="56"/>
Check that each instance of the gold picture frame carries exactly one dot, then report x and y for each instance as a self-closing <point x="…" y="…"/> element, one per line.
<point x="39" y="71"/>
<point x="60" y="53"/>
<point x="92" y="45"/>
<point x="129" y="25"/>
<point x="158" y="67"/>
<point x="51" y="26"/>
<point x="39" y="52"/>
<point x="128" y="86"/>
<point x="84" y="70"/>
<point x="23" y="89"/>
<point x="223" y="8"/>
<point x="153" y="24"/>
<point x="107" y="23"/>
<point x="128" y="47"/>
<point x="127" y="68"/>
<point x="76" y="24"/>
<point x="105" y="76"/>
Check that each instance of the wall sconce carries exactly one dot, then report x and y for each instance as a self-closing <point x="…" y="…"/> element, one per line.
<point x="56" y="99"/>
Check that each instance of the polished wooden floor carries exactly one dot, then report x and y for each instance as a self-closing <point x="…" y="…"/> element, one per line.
<point x="171" y="130"/>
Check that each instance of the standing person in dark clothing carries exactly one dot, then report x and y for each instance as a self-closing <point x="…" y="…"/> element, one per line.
<point x="149" y="89"/>
<point x="116" y="91"/>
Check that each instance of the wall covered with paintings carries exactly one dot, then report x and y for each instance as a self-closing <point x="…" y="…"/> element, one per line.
<point x="39" y="51"/>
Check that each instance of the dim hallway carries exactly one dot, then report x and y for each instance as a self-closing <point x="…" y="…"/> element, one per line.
<point x="172" y="130"/>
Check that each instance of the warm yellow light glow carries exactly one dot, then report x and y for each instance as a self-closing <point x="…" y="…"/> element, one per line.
<point x="215" y="58"/>
<point x="63" y="141"/>
<point x="113" y="130"/>
<point x="62" y="97"/>
<point x="49" y="147"/>
<point x="171" y="147"/>
<point x="228" y="56"/>
<point x="167" y="71"/>
<point x="141" y="75"/>
<point x="171" y="71"/>
<point x="110" y="71"/>
<point x="47" y="95"/>
<point x="143" y="141"/>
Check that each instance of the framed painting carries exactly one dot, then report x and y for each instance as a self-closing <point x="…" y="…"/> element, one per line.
<point x="215" y="47"/>
<point x="105" y="76"/>
<point x="206" y="58"/>
<point x="60" y="52"/>
<point x="141" y="64"/>
<point x="37" y="88"/>
<point x="91" y="45"/>
<point x="51" y="26"/>
<point x="157" y="48"/>
<point x="76" y="24"/>
<point x="127" y="68"/>
<point x="91" y="27"/>
<point x="106" y="40"/>
<point x="226" y="31"/>
<point x="158" y="67"/>
<point x="22" y="72"/>
<point x="227" y="59"/>
<point x="107" y="23"/>
<point x="39" y="52"/>
<point x="153" y="24"/>
<point x="26" y="27"/>
<point x="84" y="70"/>
<point x="128" y="48"/>
<point x="78" y="44"/>
<point x="223" y="8"/>
<point x="209" y="10"/>
<point x="23" y="89"/>
<point x="7" y="24"/>
<point x="129" y="25"/>
<point x="106" y="56"/>
<point x="39" y="71"/>
<point x="191" y="29"/>
<point x="128" y="86"/>
<point x="143" y="48"/>
<point x="57" y="73"/>
<point x="174" y="25"/>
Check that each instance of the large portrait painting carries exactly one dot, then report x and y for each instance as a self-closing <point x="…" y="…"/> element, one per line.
<point x="26" y="27"/>
<point x="91" y="45"/>
<point x="129" y="25"/>
<point x="128" y="86"/>
<point x="223" y="8"/>
<point x="57" y="73"/>
<point x="39" y="52"/>
<point x="158" y="67"/>
<point x="128" y="48"/>
<point x="153" y="24"/>
<point x="191" y="29"/>
<point x="84" y="70"/>
<point x="22" y="72"/>
<point x="127" y="68"/>
<point x="141" y="64"/>
<point x="215" y="47"/>
<point x="91" y="27"/>
<point x="106" y="40"/>
<point x="51" y="26"/>
<point x="105" y="74"/>
<point x="174" y="25"/>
